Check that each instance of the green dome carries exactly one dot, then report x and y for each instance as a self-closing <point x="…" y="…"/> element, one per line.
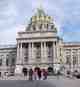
<point x="40" y="12"/>
<point x="41" y="22"/>
<point x="40" y="15"/>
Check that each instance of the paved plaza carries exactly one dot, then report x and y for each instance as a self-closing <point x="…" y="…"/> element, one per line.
<point x="52" y="81"/>
<point x="47" y="83"/>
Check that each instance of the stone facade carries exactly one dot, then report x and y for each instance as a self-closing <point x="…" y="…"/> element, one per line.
<point x="72" y="55"/>
<point x="40" y="46"/>
<point x="7" y="59"/>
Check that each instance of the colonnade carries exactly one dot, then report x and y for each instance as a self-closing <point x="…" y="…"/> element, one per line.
<point x="31" y="55"/>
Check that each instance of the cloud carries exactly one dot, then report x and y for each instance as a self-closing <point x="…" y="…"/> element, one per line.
<point x="9" y="36"/>
<point x="15" y="15"/>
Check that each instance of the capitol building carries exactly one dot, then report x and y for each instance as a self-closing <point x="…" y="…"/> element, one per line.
<point x="40" y="46"/>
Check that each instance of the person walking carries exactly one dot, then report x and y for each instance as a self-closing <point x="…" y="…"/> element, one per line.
<point x="25" y="73"/>
<point x="39" y="74"/>
<point x="44" y="74"/>
<point x="35" y="75"/>
<point x="30" y="74"/>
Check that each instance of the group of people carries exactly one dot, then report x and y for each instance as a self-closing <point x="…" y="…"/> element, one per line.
<point x="36" y="74"/>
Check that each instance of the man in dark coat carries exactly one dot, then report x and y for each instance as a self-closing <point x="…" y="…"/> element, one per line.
<point x="30" y="74"/>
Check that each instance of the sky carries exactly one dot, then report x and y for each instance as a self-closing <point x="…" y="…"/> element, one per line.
<point x="15" y="15"/>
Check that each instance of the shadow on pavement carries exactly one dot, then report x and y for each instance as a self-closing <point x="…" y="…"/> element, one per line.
<point x="21" y="83"/>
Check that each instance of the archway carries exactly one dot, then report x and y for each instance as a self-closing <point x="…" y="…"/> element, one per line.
<point x="50" y="70"/>
<point x="24" y="71"/>
<point x="37" y="68"/>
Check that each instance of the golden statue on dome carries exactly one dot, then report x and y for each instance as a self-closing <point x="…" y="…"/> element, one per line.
<point x="41" y="21"/>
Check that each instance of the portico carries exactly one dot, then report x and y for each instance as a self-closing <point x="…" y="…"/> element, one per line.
<point x="37" y="46"/>
<point x="36" y="52"/>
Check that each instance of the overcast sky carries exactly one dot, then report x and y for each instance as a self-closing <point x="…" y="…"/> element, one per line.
<point x="15" y="14"/>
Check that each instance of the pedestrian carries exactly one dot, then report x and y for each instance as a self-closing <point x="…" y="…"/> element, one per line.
<point x="44" y="74"/>
<point x="35" y="75"/>
<point x="39" y="74"/>
<point x="30" y="74"/>
<point x="58" y="74"/>
<point x="24" y="71"/>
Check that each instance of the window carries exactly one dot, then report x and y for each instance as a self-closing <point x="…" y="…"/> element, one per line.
<point x="0" y="62"/>
<point x="60" y="51"/>
<point x="7" y="62"/>
<point x="38" y="52"/>
<point x="13" y="61"/>
<point x="25" y="59"/>
<point x="49" y="50"/>
<point x="40" y="27"/>
<point x="52" y="26"/>
<point x="34" y="28"/>
<point x="47" y="26"/>
<point x="1" y="57"/>
<point x="74" y="60"/>
<point x="68" y="59"/>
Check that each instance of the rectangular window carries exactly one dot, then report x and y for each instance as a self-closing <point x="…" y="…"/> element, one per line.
<point x="7" y="62"/>
<point x="68" y="61"/>
<point x="74" y="60"/>
<point x="0" y="62"/>
<point x="38" y="53"/>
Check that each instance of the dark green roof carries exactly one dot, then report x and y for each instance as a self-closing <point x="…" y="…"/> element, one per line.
<point x="40" y="12"/>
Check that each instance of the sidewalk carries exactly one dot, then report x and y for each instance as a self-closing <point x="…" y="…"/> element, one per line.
<point x="18" y="77"/>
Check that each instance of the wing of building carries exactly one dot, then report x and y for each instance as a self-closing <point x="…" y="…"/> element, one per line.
<point x="40" y="46"/>
<point x="7" y="59"/>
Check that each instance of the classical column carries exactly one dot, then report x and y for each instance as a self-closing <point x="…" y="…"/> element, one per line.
<point x="30" y="53"/>
<point x="4" y="60"/>
<point x="18" y="53"/>
<point x="45" y="53"/>
<point x="42" y="52"/>
<point x="4" y="65"/>
<point x="79" y="60"/>
<point x="18" y="50"/>
<point x="54" y="55"/>
<point x="71" y="61"/>
<point x="22" y="53"/>
<point x="33" y="56"/>
<point x="18" y="69"/>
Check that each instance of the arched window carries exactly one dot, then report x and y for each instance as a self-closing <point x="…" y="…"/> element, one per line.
<point x="40" y="27"/>
<point x="52" y="26"/>
<point x="34" y="27"/>
<point x="50" y="70"/>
